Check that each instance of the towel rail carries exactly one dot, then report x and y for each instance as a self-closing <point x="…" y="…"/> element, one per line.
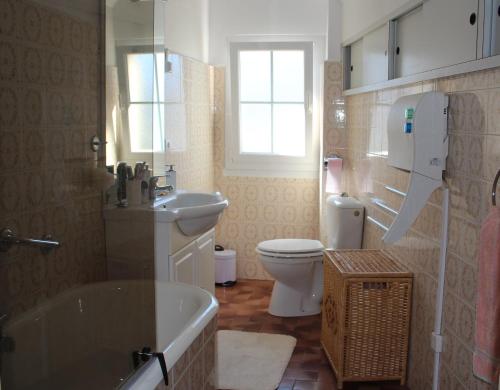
<point x="395" y="191"/>
<point x="494" y="189"/>
<point x="377" y="223"/>
<point x="383" y="206"/>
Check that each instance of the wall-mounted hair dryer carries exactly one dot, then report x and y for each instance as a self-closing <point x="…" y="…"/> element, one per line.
<point x="418" y="143"/>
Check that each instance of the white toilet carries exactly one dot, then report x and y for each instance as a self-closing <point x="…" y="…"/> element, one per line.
<point x="297" y="264"/>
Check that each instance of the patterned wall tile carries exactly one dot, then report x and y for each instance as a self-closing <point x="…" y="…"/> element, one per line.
<point x="47" y="179"/>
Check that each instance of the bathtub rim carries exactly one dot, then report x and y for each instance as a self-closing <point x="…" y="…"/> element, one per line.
<point x="149" y="375"/>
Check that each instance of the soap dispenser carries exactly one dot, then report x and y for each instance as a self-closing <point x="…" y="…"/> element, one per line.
<point x="171" y="177"/>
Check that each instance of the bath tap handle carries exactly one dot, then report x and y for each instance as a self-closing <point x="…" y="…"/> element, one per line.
<point x="9" y="238"/>
<point x="145" y="355"/>
<point x="494" y="189"/>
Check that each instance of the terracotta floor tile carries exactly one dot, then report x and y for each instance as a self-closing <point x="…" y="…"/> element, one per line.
<point x="244" y="307"/>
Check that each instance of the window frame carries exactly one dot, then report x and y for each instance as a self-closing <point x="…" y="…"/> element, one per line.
<point x="270" y="165"/>
<point x="126" y="145"/>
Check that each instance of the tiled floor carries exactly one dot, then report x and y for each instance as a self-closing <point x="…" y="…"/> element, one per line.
<point x="244" y="307"/>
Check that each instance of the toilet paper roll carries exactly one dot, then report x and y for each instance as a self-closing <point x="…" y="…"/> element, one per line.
<point x="334" y="175"/>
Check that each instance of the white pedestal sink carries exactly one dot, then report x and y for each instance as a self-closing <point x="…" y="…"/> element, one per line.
<point x="193" y="212"/>
<point x="171" y="239"/>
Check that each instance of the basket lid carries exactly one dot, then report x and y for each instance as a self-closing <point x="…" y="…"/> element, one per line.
<point x="367" y="262"/>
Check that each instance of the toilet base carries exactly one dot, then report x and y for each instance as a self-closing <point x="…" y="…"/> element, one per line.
<point x="289" y="302"/>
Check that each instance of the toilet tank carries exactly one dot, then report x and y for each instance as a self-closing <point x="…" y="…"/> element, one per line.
<point x="345" y="216"/>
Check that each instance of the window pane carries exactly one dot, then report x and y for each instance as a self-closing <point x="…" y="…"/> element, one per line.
<point x="140" y="77"/>
<point x="159" y="85"/>
<point x="289" y="129"/>
<point x="255" y="76"/>
<point x="288" y="75"/>
<point x="255" y="128"/>
<point x="145" y="124"/>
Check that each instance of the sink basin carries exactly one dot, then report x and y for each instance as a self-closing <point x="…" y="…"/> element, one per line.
<point x="193" y="212"/>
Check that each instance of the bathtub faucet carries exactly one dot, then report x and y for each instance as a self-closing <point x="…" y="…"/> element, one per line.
<point x="145" y="354"/>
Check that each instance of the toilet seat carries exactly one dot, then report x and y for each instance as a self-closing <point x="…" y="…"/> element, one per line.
<point x="296" y="251"/>
<point x="290" y="246"/>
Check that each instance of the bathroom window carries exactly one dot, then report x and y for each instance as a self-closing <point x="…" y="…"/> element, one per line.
<point x="272" y="110"/>
<point x="154" y="101"/>
<point x="146" y="101"/>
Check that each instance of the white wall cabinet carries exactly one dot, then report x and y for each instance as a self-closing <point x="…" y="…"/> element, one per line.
<point x="434" y="35"/>
<point x="439" y="33"/>
<point x="369" y="58"/>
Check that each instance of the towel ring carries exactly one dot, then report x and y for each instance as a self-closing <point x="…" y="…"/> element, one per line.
<point x="494" y="189"/>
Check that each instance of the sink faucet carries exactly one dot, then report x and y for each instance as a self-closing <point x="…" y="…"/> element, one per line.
<point x="154" y="188"/>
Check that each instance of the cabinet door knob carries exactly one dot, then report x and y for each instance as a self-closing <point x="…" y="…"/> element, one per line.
<point x="472" y="19"/>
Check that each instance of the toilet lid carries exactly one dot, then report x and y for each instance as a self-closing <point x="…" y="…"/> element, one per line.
<point x="290" y="246"/>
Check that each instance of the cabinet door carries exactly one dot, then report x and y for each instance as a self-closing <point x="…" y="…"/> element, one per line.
<point x="495" y="28"/>
<point x="437" y="34"/>
<point x="183" y="265"/>
<point x="206" y="261"/>
<point x="369" y="60"/>
<point x="375" y="59"/>
<point x="357" y="64"/>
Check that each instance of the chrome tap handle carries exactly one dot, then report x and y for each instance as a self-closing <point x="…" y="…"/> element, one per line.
<point x="154" y="187"/>
<point x="494" y="189"/>
<point x="8" y="238"/>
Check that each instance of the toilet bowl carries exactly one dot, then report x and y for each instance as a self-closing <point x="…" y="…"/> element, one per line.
<point x="296" y="264"/>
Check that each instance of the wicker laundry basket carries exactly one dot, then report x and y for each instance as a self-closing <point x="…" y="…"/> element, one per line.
<point x="366" y="315"/>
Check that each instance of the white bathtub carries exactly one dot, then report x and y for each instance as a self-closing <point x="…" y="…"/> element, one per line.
<point x="84" y="338"/>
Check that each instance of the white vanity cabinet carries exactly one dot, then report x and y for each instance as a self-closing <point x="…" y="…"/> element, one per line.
<point x="140" y="247"/>
<point x="195" y="263"/>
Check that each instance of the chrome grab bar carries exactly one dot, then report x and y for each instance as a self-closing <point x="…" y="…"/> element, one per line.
<point x="377" y="223"/>
<point x="383" y="206"/>
<point x="8" y="238"/>
<point x="395" y="191"/>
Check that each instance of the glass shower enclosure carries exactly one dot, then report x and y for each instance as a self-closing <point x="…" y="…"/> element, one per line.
<point x="81" y="91"/>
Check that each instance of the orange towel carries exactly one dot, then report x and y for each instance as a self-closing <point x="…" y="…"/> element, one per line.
<point x="487" y="349"/>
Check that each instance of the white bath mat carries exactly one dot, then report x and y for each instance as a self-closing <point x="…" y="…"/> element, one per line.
<point x="252" y="361"/>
